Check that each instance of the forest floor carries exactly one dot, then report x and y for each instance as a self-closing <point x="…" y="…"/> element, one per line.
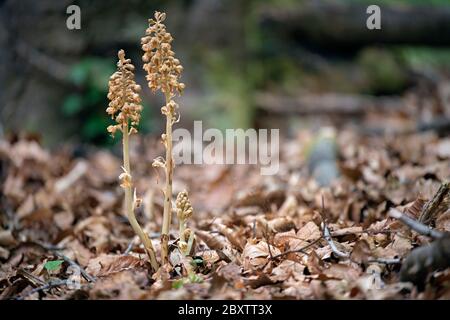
<point x="257" y="237"/>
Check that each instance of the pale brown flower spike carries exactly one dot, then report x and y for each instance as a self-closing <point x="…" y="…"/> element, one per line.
<point x="163" y="69"/>
<point x="184" y="212"/>
<point x="125" y="108"/>
<point x="125" y="104"/>
<point x="163" y="73"/>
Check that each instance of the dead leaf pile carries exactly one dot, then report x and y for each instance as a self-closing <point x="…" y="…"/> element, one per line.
<point x="258" y="237"/>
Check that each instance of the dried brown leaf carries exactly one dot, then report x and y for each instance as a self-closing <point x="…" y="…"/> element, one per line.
<point x="256" y="255"/>
<point x="287" y="269"/>
<point x="281" y="224"/>
<point x="235" y="238"/>
<point x="361" y="251"/>
<point x="309" y="232"/>
<point x="106" y="264"/>
<point x="443" y="221"/>
<point x="7" y="239"/>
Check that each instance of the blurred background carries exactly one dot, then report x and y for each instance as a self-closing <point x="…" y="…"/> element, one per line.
<point x="283" y="64"/>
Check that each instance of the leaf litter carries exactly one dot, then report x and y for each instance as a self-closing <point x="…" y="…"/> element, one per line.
<point x="278" y="237"/>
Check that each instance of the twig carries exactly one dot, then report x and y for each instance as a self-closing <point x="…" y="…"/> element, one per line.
<point x="301" y="250"/>
<point x="327" y="237"/>
<point x="56" y="251"/>
<point x="49" y="247"/>
<point x="415" y="225"/>
<point x="327" y="234"/>
<point x="267" y="241"/>
<point x="49" y="285"/>
<point x="345" y="255"/>
<point x="385" y="260"/>
<point x="337" y="233"/>
<point x="30" y="277"/>
<point x="130" y="246"/>
<point x="86" y="275"/>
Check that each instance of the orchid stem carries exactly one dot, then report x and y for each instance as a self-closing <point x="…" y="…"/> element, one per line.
<point x="167" y="215"/>
<point x="129" y="207"/>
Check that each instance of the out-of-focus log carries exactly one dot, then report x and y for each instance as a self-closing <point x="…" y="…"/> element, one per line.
<point x="330" y="103"/>
<point x="342" y="25"/>
<point x="340" y="105"/>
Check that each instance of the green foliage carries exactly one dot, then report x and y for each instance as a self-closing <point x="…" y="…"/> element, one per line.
<point x="421" y="58"/>
<point x="195" y="278"/>
<point x="198" y="262"/>
<point x="191" y="278"/>
<point x="93" y="71"/>
<point x="383" y="71"/>
<point x="178" y="284"/>
<point x="53" y="265"/>
<point x="72" y="105"/>
<point x="226" y="103"/>
<point x="86" y="106"/>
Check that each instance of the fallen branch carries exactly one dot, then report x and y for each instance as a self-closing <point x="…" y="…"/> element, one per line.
<point x="437" y="205"/>
<point x="438" y="125"/>
<point x="415" y="225"/>
<point x="424" y="260"/>
<point x="328" y="103"/>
